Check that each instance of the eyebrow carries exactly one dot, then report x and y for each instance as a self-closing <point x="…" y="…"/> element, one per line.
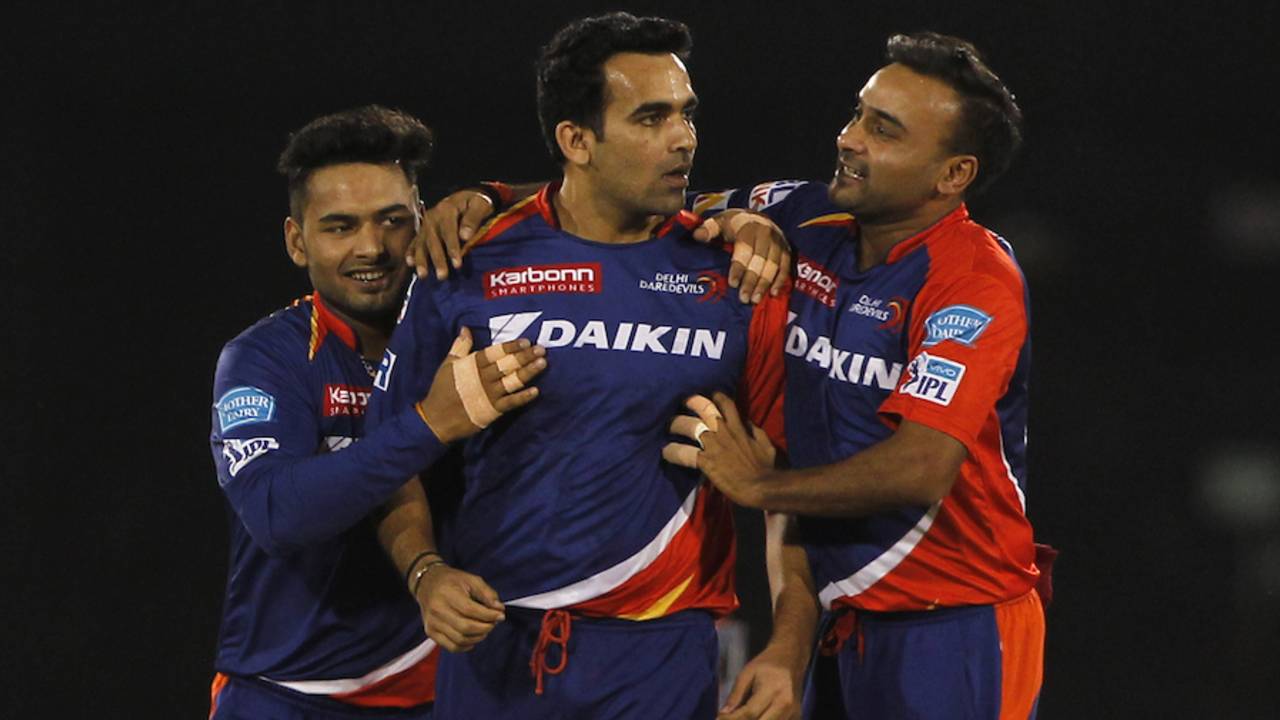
<point x="662" y="107"/>
<point x="887" y="116"/>
<point x="346" y="217"/>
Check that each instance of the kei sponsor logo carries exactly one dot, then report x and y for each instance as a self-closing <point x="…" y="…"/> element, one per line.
<point x="239" y="452"/>
<point x="960" y="323"/>
<point x="933" y="378"/>
<point x="609" y="335"/>
<point x="542" y="279"/>
<point x="346" y="400"/>
<point x="244" y="406"/>
<point x="816" y="281"/>
<point x="709" y="286"/>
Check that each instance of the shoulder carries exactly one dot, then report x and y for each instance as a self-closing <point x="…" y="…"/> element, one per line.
<point x="280" y="337"/>
<point x="969" y="252"/>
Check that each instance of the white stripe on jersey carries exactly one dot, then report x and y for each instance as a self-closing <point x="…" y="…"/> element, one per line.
<point x="349" y="685"/>
<point x="872" y="572"/>
<point x="610" y="578"/>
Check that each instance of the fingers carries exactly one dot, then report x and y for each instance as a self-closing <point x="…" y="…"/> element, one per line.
<point x="479" y="208"/>
<point x="681" y="454"/>
<point x="728" y="409"/>
<point x="739" y="692"/>
<point x="784" y="269"/>
<point x="690" y="427"/>
<point x="738" y="263"/>
<point x="705" y="410"/>
<point x="706" y="232"/>
<point x="462" y="345"/>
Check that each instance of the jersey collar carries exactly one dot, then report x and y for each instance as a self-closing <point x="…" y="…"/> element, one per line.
<point x="325" y="323"/>
<point x="684" y="219"/>
<point x="960" y="214"/>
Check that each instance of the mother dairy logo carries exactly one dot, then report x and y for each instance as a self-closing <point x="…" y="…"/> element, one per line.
<point x="243" y="406"/>
<point x="960" y="323"/>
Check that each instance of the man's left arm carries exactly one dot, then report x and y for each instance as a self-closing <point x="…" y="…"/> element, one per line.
<point x="964" y="345"/>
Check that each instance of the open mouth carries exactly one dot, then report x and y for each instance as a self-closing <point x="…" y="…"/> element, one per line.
<point x="678" y="176"/>
<point x="845" y="171"/>
<point x="369" y="277"/>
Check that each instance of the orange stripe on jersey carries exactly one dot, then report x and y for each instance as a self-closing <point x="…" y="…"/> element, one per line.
<point x="694" y="571"/>
<point x="1021" y="626"/>
<point x="411" y="687"/>
<point x="830" y="220"/>
<point x="215" y="689"/>
<point x="503" y="221"/>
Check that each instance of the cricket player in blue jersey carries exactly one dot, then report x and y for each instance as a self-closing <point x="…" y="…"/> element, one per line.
<point x="583" y="574"/>
<point x="316" y="622"/>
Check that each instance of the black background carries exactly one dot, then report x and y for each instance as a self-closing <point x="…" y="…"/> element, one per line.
<point x="142" y="226"/>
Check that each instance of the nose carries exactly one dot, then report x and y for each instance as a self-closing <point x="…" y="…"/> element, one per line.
<point x="686" y="136"/>
<point x="369" y="241"/>
<point x="851" y="138"/>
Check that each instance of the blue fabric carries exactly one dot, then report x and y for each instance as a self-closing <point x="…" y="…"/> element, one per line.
<point x="247" y="699"/>
<point x="616" y="669"/>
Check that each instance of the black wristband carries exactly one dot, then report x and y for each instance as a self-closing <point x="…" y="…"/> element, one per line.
<point x="417" y="559"/>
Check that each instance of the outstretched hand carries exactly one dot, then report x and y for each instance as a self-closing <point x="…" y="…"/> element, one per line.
<point x="472" y="389"/>
<point x="735" y="455"/>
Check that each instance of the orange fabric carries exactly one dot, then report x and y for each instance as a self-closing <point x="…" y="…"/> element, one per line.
<point x="215" y="689"/>
<point x="694" y="571"/>
<point x="556" y="625"/>
<point x="762" y="388"/>
<point x="408" y="688"/>
<point x="1021" y="626"/>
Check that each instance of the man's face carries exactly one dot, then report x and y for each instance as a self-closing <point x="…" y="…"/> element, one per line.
<point x="892" y="154"/>
<point x="357" y="224"/>
<point x="644" y="158"/>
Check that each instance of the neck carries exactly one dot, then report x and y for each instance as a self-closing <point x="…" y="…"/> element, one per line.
<point x="373" y="333"/>
<point x="880" y="235"/>
<point x="585" y="212"/>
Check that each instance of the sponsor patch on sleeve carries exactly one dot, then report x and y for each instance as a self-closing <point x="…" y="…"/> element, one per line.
<point x="769" y="194"/>
<point x="961" y="323"/>
<point x="933" y="378"/>
<point x="244" y="406"/>
<point x="241" y="452"/>
<point x="384" y="370"/>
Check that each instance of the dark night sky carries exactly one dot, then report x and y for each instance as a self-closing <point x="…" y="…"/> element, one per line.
<point x="140" y="198"/>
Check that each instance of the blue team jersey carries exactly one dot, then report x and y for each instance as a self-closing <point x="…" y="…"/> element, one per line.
<point x="567" y="502"/>
<point x="310" y="593"/>
<point x="938" y="334"/>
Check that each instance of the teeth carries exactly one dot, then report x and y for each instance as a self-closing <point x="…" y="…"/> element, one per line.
<point x="368" y="276"/>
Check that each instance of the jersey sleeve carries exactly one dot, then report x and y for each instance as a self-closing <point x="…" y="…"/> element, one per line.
<point x="762" y="388"/>
<point x="418" y="346"/>
<point x="783" y="201"/>
<point x="266" y="447"/>
<point x="964" y="341"/>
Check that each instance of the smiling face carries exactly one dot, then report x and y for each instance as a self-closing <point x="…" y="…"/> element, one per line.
<point x="894" y="157"/>
<point x="358" y="220"/>
<point x="642" y="160"/>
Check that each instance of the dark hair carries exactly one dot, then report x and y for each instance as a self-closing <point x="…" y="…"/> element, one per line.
<point x="369" y="134"/>
<point x="990" y="124"/>
<point x="571" y="80"/>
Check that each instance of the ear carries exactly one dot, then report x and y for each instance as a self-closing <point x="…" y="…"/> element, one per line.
<point x="293" y="242"/>
<point x="958" y="173"/>
<point x="575" y="142"/>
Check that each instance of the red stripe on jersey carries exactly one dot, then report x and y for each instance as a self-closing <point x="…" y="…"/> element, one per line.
<point x="410" y="687"/>
<point x="762" y="389"/>
<point x="694" y="571"/>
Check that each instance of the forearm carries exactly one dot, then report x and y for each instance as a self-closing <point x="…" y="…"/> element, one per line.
<point x="404" y="526"/>
<point x="795" y="605"/>
<point x="915" y="467"/>
<point x="291" y="503"/>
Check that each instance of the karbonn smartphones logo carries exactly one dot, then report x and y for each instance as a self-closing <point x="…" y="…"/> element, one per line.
<point x="346" y="400"/>
<point x="816" y="281"/>
<point x="602" y="335"/>
<point x="541" y="279"/>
